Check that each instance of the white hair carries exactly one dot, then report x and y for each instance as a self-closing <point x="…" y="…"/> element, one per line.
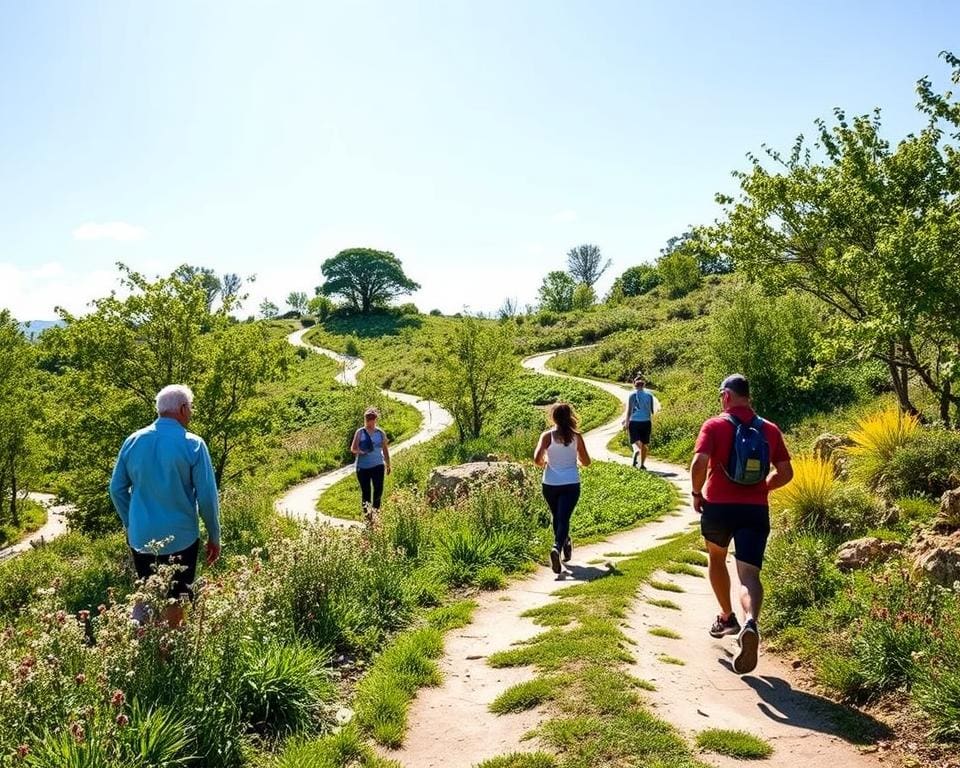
<point x="172" y="396"/>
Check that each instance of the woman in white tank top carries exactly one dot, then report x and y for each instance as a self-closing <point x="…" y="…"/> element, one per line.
<point x="558" y="452"/>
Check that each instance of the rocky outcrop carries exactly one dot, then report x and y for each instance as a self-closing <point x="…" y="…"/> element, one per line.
<point x="829" y="448"/>
<point x="859" y="553"/>
<point x="949" y="518"/>
<point x="936" y="557"/>
<point x="447" y="484"/>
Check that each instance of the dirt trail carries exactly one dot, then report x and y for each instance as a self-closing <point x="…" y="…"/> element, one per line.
<point x="451" y="727"/>
<point x="301" y="501"/>
<point x="56" y="525"/>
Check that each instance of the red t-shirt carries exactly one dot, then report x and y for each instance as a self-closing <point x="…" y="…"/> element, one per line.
<point x="716" y="439"/>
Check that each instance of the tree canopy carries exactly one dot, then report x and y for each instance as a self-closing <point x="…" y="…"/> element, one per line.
<point x="365" y="278"/>
<point x="585" y="264"/>
<point x="556" y="292"/>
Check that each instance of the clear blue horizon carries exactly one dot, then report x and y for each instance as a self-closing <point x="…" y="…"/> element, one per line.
<point x="477" y="142"/>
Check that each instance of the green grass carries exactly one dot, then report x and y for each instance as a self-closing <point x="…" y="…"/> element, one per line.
<point x="521" y="760"/>
<point x="664" y="604"/>
<point x="32" y="517"/>
<point x="527" y="695"/>
<point x="739" y="744"/>
<point x="694" y="557"/>
<point x="666" y="586"/>
<point x="664" y="632"/>
<point x="667" y="659"/>
<point x="682" y="569"/>
<point x="342" y="749"/>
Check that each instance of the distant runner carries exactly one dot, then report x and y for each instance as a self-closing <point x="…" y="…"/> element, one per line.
<point x="371" y="447"/>
<point x="638" y="420"/>
<point x="738" y="459"/>
<point x="558" y="451"/>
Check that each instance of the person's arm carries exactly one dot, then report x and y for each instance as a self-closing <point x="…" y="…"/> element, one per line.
<point x="626" y="416"/>
<point x="386" y="451"/>
<point x="120" y="488"/>
<point x="698" y="476"/>
<point x="208" y="503"/>
<point x="781" y="475"/>
<point x="540" y="454"/>
<point x="355" y="445"/>
<point x="582" y="451"/>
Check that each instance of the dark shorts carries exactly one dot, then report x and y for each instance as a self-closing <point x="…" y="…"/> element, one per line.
<point x="747" y="524"/>
<point x="146" y="565"/>
<point x="640" y="431"/>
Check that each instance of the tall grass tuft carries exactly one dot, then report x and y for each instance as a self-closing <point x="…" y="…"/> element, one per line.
<point x="876" y="439"/>
<point x="807" y="497"/>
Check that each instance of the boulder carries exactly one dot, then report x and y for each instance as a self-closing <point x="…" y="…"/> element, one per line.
<point x="937" y="557"/>
<point x="859" y="553"/>
<point x="949" y="517"/>
<point x="829" y="448"/>
<point x="447" y="484"/>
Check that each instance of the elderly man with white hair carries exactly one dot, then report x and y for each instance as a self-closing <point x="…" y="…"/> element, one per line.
<point x="162" y="478"/>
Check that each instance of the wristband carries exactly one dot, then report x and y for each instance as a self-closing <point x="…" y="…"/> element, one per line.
<point x="696" y="494"/>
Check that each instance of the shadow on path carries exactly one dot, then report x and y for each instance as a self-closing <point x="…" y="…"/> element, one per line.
<point x="587" y="573"/>
<point x="801" y="709"/>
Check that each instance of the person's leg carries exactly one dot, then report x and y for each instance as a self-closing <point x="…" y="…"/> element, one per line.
<point x="181" y="586"/>
<point x="569" y="495"/>
<point x="751" y="589"/>
<point x="717" y="535"/>
<point x="645" y="429"/>
<point x="366" y="490"/>
<point x="751" y="541"/>
<point x="720" y="577"/>
<point x="552" y="495"/>
<point x="376" y="477"/>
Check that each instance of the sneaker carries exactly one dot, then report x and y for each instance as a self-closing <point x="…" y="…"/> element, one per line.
<point x="555" y="560"/>
<point x="636" y="455"/>
<point x="728" y="626"/>
<point x="749" y="640"/>
<point x="567" y="550"/>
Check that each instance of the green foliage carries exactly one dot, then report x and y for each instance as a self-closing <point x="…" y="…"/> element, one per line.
<point x="664" y="632"/>
<point x="738" y="744"/>
<point x="29" y="517"/>
<point x="297" y="301"/>
<point x="556" y="292"/>
<point x="365" y="278"/>
<point x="616" y="497"/>
<point x="804" y="576"/>
<point x="526" y="695"/>
<point x="928" y="465"/>
<point x="343" y="749"/>
<point x="636" y="281"/>
<point x="521" y="760"/>
<point x="321" y="307"/>
<point x="583" y="298"/>
<point x="679" y="273"/>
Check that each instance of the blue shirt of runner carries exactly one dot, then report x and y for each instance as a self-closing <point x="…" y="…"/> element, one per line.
<point x="641" y="406"/>
<point x="372" y="455"/>
<point x="163" y="475"/>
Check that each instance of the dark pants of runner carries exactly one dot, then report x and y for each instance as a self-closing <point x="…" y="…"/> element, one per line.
<point x="747" y="524"/>
<point x="146" y="564"/>
<point x="371" y="486"/>
<point x="561" y="499"/>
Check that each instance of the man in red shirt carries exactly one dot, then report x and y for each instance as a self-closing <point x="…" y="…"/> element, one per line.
<point x="729" y="510"/>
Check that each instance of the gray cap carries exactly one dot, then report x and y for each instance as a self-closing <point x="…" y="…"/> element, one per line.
<point x="736" y="383"/>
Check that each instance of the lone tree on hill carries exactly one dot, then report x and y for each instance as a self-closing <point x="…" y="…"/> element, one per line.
<point x="584" y="264"/>
<point x="297" y="301"/>
<point x="365" y="278"/>
<point x="556" y="292"/>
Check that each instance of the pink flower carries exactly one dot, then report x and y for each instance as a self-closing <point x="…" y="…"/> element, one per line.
<point x="118" y="698"/>
<point x="83" y="616"/>
<point x="122" y="720"/>
<point x="76" y="728"/>
<point x="22" y="751"/>
<point x="80" y="679"/>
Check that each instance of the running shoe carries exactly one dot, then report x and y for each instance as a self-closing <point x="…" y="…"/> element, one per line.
<point x="567" y="550"/>
<point x="725" y="626"/>
<point x="555" y="560"/>
<point x="749" y="640"/>
<point x="636" y="455"/>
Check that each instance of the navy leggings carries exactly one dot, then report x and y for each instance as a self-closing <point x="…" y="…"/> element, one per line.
<point x="561" y="499"/>
<point x="371" y="486"/>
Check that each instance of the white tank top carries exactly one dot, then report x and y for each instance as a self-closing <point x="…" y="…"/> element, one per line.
<point x="561" y="462"/>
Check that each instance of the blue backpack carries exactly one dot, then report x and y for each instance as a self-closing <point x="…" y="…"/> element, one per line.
<point x="750" y="453"/>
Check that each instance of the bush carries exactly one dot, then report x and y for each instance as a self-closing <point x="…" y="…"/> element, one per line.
<point x="877" y="438"/>
<point x="639" y="280"/>
<point x="927" y="465"/>
<point x="801" y="574"/>
<point x="938" y="683"/>
<point x="409" y="308"/>
<point x="351" y="346"/>
<point x="679" y="273"/>
<point x="807" y="497"/>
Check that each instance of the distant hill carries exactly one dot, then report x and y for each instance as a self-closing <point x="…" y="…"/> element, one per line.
<point x="33" y="328"/>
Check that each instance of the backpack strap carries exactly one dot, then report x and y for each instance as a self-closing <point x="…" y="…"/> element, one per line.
<point x="729" y="417"/>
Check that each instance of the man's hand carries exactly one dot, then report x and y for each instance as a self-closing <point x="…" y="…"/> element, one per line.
<point x="213" y="552"/>
<point x="698" y="503"/>
<point x="388" y="469"/>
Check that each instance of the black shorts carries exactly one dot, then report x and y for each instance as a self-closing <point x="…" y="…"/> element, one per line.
<point x="146" y="565"/>
<point x="640" y="432"/>
<point x="747" y="524"/>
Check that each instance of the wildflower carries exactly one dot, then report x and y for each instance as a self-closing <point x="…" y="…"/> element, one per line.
<point x="80" y="679"/>
<point x="118" y="698"/>
<point x="78" y="731"/>
<point x="83" y="616"/>
<point x="101" y="609"/>
<point x="22" y="751"/>
<point x="122" y="720"/>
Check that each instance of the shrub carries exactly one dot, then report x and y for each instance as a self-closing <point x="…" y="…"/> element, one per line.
<point x="408" y="308"/>
<point x="938" y="684"/>
<point x="739" y="744"/>
<point x="679" y="273"/>
<point x="491" y="577"/>
<point x="801" y="575"/>
<point x="351" y="346"/>
<point x="807" y="497"/>
<point x="877" y="439"/>
<point x="928" y="464"/>
<point x="682" y="310"/>
<point x="636" y="281"/>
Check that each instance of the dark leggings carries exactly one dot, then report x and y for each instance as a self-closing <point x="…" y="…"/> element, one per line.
<point x="371" y="486"/>
<point x="561" y="499"/>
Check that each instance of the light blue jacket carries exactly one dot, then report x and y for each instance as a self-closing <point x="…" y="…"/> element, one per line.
<point x="162" y="476"/>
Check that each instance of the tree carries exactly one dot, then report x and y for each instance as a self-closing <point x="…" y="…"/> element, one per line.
<point x="583" y="297"/>
<point x="268" y="309"/>
<point x="679" y="273"/>
<point x="297" y="301"/>
<point x="365" y="278"/>
<point x="584" y="264"/>
<point x="320" y="307"/>
<point x="871" y="231"/>
<point x="638" y="280"/>
<point x="556" y="292"/>
<point x="698" y="243"/>
<point x="108" y="365"/>
<point x="206" y="278"/>
<point x="230" y="285"/>
<point x="475" y="363"/>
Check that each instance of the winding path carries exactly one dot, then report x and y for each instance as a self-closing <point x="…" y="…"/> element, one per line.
<point x="451" y="727"/>
<point x="301" y="501"/>
<point x="56" y="525"/>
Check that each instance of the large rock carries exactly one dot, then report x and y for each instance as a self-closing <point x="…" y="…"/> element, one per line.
<point x="859" y="553"/>
<point x="829" y="448"/>
<point x="447" y="484"/>
<point x="937" y="557"/>
<point x="949" y="518"/>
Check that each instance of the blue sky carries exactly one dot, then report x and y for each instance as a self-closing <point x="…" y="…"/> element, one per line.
<point x="477" y="141"/>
